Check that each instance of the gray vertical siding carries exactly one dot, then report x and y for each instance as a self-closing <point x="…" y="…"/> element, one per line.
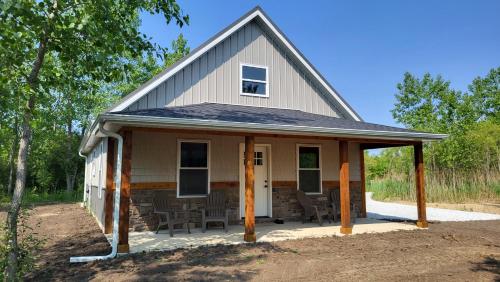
<point x="215" y="77"/>
<point x="96" y="179"/>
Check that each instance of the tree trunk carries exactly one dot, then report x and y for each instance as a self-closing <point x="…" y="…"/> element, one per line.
<point x="12" y="259"/>
<point x="21" y="171"/>
<point x="69" y="153"/>
<point x="12" y="164"/>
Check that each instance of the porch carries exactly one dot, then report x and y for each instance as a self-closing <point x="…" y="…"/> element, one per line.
<point x="265" y="232"/>
<point x="259" y="157"/>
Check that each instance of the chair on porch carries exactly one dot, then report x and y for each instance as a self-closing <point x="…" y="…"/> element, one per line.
<point x="216" y="210"/>
<point x="311" y="210"/>
<point x="168" y="216"/>
<point x="335" y="203"/>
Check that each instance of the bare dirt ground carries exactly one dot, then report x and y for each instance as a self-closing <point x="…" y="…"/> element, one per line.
<point x="445" y="252"/>
<point x="474" y="207"/>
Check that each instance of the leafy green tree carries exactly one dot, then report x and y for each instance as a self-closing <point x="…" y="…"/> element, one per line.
<point x="38" y="38"/>
<point x="486" y="95"/>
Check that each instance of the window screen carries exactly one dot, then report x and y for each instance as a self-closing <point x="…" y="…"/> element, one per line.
<point x="309" y="172"/>
<point x="193" y="170"/>
<point x="254" y="80"/>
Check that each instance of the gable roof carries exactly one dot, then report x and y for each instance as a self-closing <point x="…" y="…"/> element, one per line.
<point x="259" y="118"/>
<point x="256" y="13"/>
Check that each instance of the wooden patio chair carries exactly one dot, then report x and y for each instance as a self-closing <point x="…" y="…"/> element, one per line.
<point x="169" y="216"/>
<point x="311" y="210"/>
<point x="215" y="210"/>
<point x="335" y="203"/>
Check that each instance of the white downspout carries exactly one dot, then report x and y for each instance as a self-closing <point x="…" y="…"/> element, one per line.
<point x="116" y="210"/>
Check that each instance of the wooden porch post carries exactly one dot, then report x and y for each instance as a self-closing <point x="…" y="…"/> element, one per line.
<point x="345" y="217"/>
<point x="249" y="190"/>
<point x="363" y="180"/>
<point x="110" y="169"/>
<point x="419" y="180"/>
<point x="123" y="246"/>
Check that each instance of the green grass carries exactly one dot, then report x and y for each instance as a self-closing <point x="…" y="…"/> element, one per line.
<point x="438" y="189"/>
<point x="35" y="197"/>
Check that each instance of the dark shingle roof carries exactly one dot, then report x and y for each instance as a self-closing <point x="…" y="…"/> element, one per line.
<point x="258" y="115"/>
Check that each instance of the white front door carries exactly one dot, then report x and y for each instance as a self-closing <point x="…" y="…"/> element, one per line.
<point x="262" y="187"/>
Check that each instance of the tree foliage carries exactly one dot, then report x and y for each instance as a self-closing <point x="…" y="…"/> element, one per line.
<point x="470" y="156"/>
<point x="55" y="56"/>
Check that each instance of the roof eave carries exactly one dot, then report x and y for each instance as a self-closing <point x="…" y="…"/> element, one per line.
<point x="244" y="126"/>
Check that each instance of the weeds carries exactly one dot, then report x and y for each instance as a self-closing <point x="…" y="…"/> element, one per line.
<point x="439" y="187"/>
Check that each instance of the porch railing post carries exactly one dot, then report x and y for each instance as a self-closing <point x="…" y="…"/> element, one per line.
<point x="419" y="180"/>
<point x="345" y="216"/>
<point x="249" y="190"/>
<point x="123" y="246"/>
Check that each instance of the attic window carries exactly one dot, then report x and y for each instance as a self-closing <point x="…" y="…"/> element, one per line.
<point x="254" y="81"/>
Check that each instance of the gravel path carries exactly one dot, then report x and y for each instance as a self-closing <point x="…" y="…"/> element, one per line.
<point x="383" y="210"/>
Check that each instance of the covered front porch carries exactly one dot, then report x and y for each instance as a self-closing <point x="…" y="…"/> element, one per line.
<point x="134" y="193"/>
<point x="260" y="158"/>
<point x="265" y="232"/>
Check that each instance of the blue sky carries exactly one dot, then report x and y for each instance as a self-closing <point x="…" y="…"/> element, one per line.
<point x="364" y="47"/>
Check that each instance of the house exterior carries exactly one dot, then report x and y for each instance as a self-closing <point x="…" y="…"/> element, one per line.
<point x="244" y="113"/>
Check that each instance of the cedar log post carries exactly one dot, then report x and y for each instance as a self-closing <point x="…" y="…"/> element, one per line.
<point x="249" y="190"/>
<point x="419" y="180"/>
<point x="123" y="246"/>
<point x="345" y="217"/>
<point x="110" y="169"/>
<point x="363" y="181"/>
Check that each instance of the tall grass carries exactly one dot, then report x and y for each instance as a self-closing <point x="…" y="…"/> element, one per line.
<point x="442" y="187"/>
<point x="43" y="197"/>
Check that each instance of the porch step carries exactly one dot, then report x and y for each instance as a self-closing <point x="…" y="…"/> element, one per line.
<point x="259" y="220"/>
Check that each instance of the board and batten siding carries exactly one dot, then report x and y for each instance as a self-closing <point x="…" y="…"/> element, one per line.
<point x="154" y="157"/>
<point x="96" y="179"/>
<point x="215" y="77"/>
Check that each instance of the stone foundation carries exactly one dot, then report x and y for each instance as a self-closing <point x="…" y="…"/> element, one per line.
<point x="286" y="206"/>
<point x="142" y="217"/>
<point x="284" y="202"/>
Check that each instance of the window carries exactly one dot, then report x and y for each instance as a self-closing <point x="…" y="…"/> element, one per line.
<point x="254" y="81"/>
<point x="193" y="175"/>
<point x="309" y="168"/>
<point x="258" y="158"/>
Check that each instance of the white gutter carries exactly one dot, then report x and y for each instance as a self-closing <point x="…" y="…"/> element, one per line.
<point x="116" y="210"/>
<point x="130" y="119"/>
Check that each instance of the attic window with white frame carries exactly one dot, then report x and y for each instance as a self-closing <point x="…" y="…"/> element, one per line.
<point x="254" y="80"/>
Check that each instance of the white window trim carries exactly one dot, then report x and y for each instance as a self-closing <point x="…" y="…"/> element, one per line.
<point x="254" y="80"/>
<point x="297" y="156"/>
<point x="179" y="142"/>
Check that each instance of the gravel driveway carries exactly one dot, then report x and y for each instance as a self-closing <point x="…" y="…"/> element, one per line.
<point x="383" y="210"/>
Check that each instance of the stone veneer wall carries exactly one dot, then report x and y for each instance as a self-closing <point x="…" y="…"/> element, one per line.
<point x="142" y="217"/>
<point x="285" y="204"/>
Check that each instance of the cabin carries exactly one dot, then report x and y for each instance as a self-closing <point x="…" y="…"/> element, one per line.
<point x="247" y="114"/>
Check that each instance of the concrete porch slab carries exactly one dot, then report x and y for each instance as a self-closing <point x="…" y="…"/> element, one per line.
<point x="266" y="232"/>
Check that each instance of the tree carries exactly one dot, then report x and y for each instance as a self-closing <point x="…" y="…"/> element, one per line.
<point x="486" y="95"/>
<point x="37" y="37"/>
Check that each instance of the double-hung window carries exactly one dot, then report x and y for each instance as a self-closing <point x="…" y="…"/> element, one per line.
<point x="309" y="168"/>
<point x="254" y="81"/>
<point x="193" y="174"/>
